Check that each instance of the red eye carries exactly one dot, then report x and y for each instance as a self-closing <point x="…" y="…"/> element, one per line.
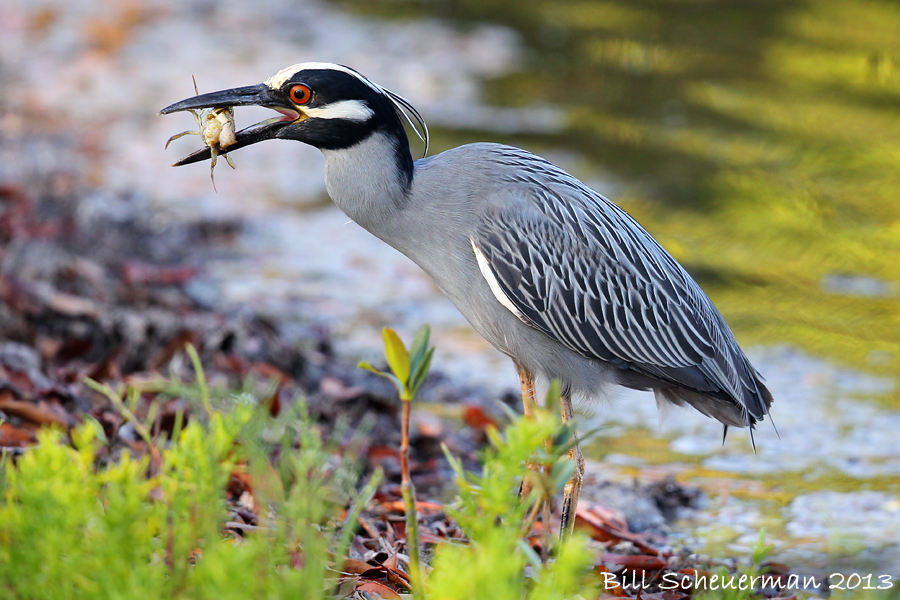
<point x="300" y="94"/>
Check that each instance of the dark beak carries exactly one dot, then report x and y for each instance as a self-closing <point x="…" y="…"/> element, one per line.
<point x="253" y="95"/>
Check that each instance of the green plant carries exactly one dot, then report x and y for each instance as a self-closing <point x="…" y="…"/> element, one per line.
<point x="496" y="521"/>
<point x="409" y="369"/>
<point x="153" y="525"/>
<point x="498" y="563"/>
<point x="748" y="579"/>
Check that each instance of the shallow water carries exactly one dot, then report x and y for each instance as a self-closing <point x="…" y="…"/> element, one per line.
<point x="824" y="485"/>
<point x="763" y="160"/>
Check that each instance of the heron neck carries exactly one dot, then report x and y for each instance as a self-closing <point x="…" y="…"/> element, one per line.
<point x="370" y="180"/>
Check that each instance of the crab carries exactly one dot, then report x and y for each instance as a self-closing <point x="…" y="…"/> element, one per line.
<point x="216" y="129"/>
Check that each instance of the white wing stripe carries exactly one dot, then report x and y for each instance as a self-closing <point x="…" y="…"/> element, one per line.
<point x="492" y="282"/>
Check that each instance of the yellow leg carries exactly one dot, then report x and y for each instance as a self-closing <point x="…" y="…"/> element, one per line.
<point x="529" y="401"/>
<point x="572" y="490"/>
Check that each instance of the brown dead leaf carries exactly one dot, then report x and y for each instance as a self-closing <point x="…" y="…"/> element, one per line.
<point x="594" y="525"/>
<point x="353" y="566"/>
<point x="395" y="573"/>
<point x="39" y="414"/>
<point x="475" y="417"/>
<point x="175" y="344"/>
<point x="380" y="589"/>
<point x="14" y="437"/>
<point x="275" y="403"/>
<point x="230" y="363"/>
<point x="269" y="371"/>
<point x="370" y="529"/>
<point x="18" y="380"/>
<point x="423" y="507"/>
<point x="612" y="517"/>
<point x="775" y="568"/>
<point x="617" y="592"/>
<point x="611" y="587"/>
<point x="386" y="457"/>
<point x="238" y="484"/>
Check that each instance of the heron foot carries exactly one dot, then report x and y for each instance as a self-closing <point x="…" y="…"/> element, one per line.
<point x="571" y="493"/>
<point x="572" y="489"/>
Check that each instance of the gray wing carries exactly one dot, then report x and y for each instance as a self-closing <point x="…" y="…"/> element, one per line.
<point x="580" y="269"/>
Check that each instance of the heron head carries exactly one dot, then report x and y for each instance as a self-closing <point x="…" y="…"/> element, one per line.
<point x="328" y="106"/>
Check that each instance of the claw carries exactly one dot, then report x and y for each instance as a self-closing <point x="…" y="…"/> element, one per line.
<point x="178" y="135"/>
<point x="212" y="167"/>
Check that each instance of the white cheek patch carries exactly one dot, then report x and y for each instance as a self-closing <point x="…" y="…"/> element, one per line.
<point x="492" y="282"/>
<point x="350" y="110"/>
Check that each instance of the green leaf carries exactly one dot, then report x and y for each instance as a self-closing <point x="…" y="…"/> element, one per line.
<point x="397" y="356"/>
<point x="401" y="389"/>
<point x="494" y="437"/>
<point x="361" y="502"/>
<point x="152" y="412"/>
<point x="574" y="441"/>
<point x="419" y="346"/>
<point x="762" y="550"/>
<point x="512" y="415"/>
<point x="420" y="372"/>
<point x="532" y="557"/>
<point x="564" y="433"/>
<point x="95" y="428"/>
<point x="200" y="375"/>
<point x="455" y="464"/>
<point x="368" y="367"/>
<point x="561" y="473"/>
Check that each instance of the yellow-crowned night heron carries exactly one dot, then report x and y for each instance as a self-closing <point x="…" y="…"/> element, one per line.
<point x="550" y="272"/>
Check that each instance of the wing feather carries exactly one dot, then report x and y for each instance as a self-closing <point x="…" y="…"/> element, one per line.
<point x="581" y="270"/>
